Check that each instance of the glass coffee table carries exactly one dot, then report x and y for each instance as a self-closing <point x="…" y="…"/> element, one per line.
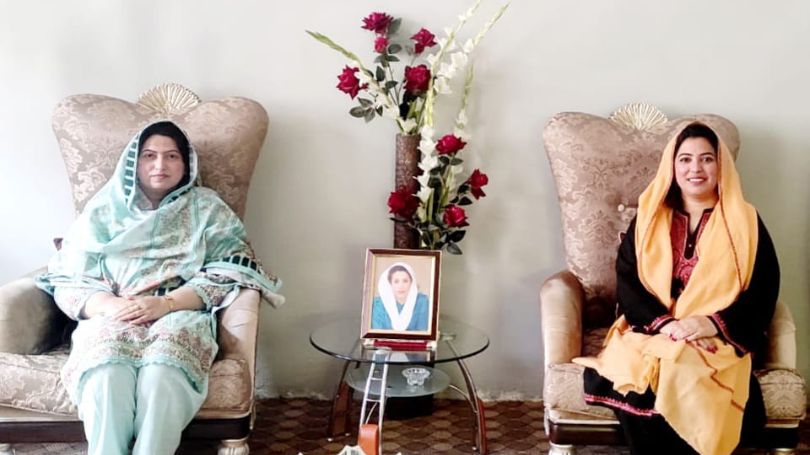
<point x="370" y="370"/>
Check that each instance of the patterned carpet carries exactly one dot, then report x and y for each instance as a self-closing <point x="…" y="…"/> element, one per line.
<point x="290" y="426"/>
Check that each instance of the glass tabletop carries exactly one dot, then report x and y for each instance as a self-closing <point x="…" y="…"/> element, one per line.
<point x="341" y="339"/>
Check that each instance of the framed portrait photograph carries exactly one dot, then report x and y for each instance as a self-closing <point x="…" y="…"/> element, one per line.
<point x="401" y="296"/>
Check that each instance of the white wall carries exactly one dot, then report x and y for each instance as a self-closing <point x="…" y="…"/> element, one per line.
<point x="319" y="191"/>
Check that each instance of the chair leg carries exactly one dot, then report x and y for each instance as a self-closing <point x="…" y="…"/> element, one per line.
<point x="561" y="449"/>
<point x="6" y="449"/>
<point x="232" y="447"/>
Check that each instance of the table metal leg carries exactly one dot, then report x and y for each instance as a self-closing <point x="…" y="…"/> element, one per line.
<point x="480" y="420"/>
<point x="341" y="407"/>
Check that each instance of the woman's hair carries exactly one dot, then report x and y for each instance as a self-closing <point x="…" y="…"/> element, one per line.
<point x="398" y="268"/>
<point x="171" y="130"/>
<point x="692" y="130"/>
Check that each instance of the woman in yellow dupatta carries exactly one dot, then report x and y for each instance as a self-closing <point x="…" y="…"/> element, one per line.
<point x="697" y="283"/>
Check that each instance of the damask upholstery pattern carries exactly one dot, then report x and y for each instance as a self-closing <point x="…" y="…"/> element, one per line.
<point x="783" y="391"/>
<point x="92" y="130"/>
<point x="600" y="168"/>
<point x="32" y="382"/>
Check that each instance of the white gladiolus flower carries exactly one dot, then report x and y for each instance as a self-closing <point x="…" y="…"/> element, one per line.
<point x="462" y="118"/>
<point x="426" y="146"/>
<point x="421" y="214"/>
<point x="408" y="125"/>
<point x="447" y="70"/>
<point x="469" y="45"/>
<point x="427" y="132"/>
<point x="455" y="170"/>
<point x="423" y="179"/>
<point x="448" y="31"/>
<point x="442" y="86"/>
<point x="429" y="162"/>
<point x="424" y="193"/>
<point x="431" y="59"/>
<point x="459" y="59"/>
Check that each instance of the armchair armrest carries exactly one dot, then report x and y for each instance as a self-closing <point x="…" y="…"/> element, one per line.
<point x="561" y="300"/>
<point x="30" y="321"/>
<point x="238" y="329"/>
<point x="781" y="339"/>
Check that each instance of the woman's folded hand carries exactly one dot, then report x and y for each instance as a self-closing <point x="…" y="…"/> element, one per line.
<point x="697" y="329"/>
<point x="141" y="310"/>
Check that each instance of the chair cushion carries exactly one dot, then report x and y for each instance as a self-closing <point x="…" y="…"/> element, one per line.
<point x="92" y="130"/>
<point x="783" y="391"/>
<point x="32" y="382"/>
<point x="600" y="168"/>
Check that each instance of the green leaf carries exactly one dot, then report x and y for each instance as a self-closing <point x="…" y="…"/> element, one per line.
<point x="369" y="115"/>
<point x="465" y="201"/>
<point x="390" y="84"/>
<point x="444" y="159"/>
<point x="457" y="235"/>
<point x="378" y="110"/>
<point x="364" y="102"/>
<point x="393" y="58"/>
<point x="325" y="40"/>
<point x="394" y="48"/>
<point x="453" y="248"/>
<point x="393" y="27"/>
<point x="456" y="161"/>
<point x="357" y="111"/>
<point x="380" y="74"/>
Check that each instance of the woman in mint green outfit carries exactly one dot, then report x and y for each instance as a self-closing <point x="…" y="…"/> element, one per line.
<point x="144" y="268"/>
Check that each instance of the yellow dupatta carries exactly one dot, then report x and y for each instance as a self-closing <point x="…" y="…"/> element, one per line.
<point x="701" y="395"/>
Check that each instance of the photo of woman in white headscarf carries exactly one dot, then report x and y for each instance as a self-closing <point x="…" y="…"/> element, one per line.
<point x="399" y="306"/>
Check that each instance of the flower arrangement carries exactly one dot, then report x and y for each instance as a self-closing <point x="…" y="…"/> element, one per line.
<point x="435" y="211"/>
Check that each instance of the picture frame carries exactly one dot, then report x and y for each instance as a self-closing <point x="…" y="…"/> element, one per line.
<point x="401" y="297"/>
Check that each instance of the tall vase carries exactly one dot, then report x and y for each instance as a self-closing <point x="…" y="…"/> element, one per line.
<point x="407" y="168"/>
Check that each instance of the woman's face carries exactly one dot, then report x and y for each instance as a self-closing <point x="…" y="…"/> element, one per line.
<point x="696" y="169"/>
<point x="160" y="167"/>
<point x="401" y="284"/>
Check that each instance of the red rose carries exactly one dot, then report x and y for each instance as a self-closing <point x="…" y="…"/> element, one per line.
<point x="402" y="203"/>
<point x="477" y="180"/>
<point x="380" y="44"/>
<point x="417" y="79"/>
<point x="422" y="39"/>
<point x="449" y="145"/>
<point x="377" y="22"/>
<point x="348" y="82"/>
<point x="454" y="216"/>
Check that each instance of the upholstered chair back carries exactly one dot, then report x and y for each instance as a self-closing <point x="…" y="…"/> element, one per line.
<point x="92" y="131"/>
<point x="601" y="166"/>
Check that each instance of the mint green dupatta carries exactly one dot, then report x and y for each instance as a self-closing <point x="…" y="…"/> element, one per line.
<point x="120" y="245"/>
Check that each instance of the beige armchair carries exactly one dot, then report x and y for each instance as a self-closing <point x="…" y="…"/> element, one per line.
<point x="600" y="167"/>
<point x="91" y="131"/>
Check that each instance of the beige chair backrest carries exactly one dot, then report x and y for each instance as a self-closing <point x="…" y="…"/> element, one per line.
<point x="92" y="131"/>
<point x="601" y="166"/>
